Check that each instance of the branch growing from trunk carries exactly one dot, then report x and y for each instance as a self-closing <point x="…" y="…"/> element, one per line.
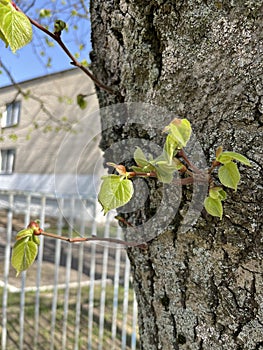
<point x="57" y="37"/>
<point x="94" y="239"/>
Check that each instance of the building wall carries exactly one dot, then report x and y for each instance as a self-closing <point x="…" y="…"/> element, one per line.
<point x="43" y="148"/>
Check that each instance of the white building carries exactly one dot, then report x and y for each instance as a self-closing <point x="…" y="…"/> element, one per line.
<point x="48" y="143"/>
<point x="37" y="153"/>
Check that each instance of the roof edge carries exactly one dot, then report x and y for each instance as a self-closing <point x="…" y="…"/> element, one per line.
<point x="41" y="77"/>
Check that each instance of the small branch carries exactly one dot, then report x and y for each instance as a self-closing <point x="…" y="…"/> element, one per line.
<point x="182" y="154"/>
<point x="192" y="179"/>
<point x="214" y="165"/>
<point x="95" y="239"/>
<point x="74" y="62"/>
<point x="200" y="177"/>
<point x="142" y="174"/>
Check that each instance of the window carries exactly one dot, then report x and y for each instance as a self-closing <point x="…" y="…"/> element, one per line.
<point x="7" y="160"/>
<point x="11" y="115"/>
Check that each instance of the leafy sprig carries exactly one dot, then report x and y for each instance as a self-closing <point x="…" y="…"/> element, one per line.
<point x="25" y="249"/>
<point x="117" y="190"/>
<point x="16" y="32"/>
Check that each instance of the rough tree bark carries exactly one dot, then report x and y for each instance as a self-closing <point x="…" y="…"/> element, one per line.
<point x="203" y="60"/>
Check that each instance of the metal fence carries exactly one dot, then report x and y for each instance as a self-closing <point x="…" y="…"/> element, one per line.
<point x="75" y="296"/>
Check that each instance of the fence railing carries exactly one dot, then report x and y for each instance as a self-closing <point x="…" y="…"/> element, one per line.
<point x="75" y="296"/>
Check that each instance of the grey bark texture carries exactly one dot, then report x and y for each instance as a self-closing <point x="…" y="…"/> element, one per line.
<point x="203" y="60"/>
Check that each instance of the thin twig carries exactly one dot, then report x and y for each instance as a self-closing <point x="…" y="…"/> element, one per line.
<point x="94" y="239"/>
<point x="74" y="62"/>
<point x="214" y="165"/>
<point x="182" y="154"/>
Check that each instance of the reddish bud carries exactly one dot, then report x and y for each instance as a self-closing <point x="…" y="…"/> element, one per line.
<point x="35" y="226"/>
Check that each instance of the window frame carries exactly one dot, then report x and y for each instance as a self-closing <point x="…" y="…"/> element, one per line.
<point x="11" y="116"/>
<point x="8" y="157"/>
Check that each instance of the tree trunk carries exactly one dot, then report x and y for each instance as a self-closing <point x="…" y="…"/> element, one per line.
<point x="202" y="60"/>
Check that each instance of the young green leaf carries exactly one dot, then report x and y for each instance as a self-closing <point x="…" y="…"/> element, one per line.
<point x="146" y="169"/>
<point x="27" y="232"/>
<point x="140" y="158"/>
<point x="138" y="169"/>
<point x="227" y="157"/>
<point x="171" y="144"/>
<point x="217" y="193"/>
<point x="36" y="239"/>
<point x="165" y="168"/>
<point x="222" y="195"/>
<point x="229" y="175"/>
<point x="15" y="27"/>
<point x="214" y="207"/>
<point x="115" y="191"/>
<point x="5" y="2"/>
<point x="181" y="130"/>
<point x="24" y="254"/>
<point x="164" y="174"/>
<point x="59" y="25"/>
<point x="143" y="165"/>
<point x="82" y="103"/>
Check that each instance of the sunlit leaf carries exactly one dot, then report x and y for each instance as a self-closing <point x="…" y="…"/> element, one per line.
<point x="165" y="168"/>
<point x="171" y="144"/>
<point x="181" y="130"/>
<point x="227" y="157"/>
<point x="217" y="193"/>
<point x="222" y="195"/>
<point x="164" y="173"/>
<point x="36" y="239"/>
<point x="229" y="175"/>
<point x="214" y="207"/>
<point x="5" y="2"/>
<point x="27" y="232"/>
<point x="115" y="191"/>
<point x="140" y="158"/>
<point x="24" y="254"/>
<point x="15" y="27"/>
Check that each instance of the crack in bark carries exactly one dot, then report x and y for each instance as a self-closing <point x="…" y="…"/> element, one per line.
<point x="175" y="345"/>
<point x="214" y="298"/>
<point x="156" y="44"/>
<point x="155" y="325"/>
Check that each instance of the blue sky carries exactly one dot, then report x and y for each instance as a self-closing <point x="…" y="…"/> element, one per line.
<point x="29" y="62"/>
